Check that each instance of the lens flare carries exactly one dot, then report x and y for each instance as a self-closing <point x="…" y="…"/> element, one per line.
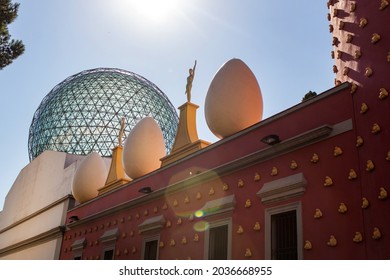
<point x="199" y="214"/>
<point x="201" y="226"/>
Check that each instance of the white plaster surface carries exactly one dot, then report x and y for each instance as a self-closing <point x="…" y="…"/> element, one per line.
<point x="36" y="203"/>
<point x="44" y="251"/>
<point x="40" y="183"/>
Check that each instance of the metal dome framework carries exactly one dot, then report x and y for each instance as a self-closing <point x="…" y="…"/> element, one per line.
<point x="83" y="113"/>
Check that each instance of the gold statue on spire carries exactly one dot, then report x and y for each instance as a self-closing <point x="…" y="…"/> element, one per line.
<point x="190" y="78"/>
<point x="121" y="131"/>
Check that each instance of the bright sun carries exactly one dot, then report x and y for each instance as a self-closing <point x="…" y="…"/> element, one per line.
<point x="155" y="10"/>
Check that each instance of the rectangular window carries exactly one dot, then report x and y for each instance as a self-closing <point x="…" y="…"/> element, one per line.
<point x="284" y="236"/>
<point x="150" y="250"/>
<point x="77" y="248"/>
<point x="108" y="255"/>
<point x="283" y="232"/>
<point x="150" y="247"/>
<point x="218" y="240"/>
<point x="218" y="243"/>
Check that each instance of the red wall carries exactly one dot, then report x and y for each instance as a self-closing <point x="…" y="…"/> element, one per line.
<point x="333" y="109"/>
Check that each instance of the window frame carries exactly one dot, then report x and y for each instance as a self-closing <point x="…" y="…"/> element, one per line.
<point x="77" y="248"/>
<point x="108" y="239"/>
<point x="107" y="249"/>
<point x="297" y="206"/>
<point x="214" y="224"/>
<point x="150" y="238"/>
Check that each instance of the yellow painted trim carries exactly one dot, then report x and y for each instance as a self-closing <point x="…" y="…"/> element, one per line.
<point x="186" y="140"/>
<point x="116" y="176"/>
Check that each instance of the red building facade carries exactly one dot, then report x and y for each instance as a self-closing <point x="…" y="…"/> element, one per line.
<point x="318" y="192"/>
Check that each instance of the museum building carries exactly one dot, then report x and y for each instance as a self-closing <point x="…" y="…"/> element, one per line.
<point x="310" y="182"/>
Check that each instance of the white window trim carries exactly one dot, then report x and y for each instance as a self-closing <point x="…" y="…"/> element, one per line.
<point x="220" y="206"/>
<point x="77" y="247"/>
<point x="297" y="206"/>
<point x="155" y="223"/>
<point x="283" y="188"/>
<point x="218" y="223"/>
<point x="151" y="238"/>
<point x="108" y="239"/>
<point x="109" y="248"/>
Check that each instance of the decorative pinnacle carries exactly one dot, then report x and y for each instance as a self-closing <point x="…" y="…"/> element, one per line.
<point x="121" y="131"/>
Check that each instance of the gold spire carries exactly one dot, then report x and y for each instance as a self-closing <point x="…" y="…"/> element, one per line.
<point x="116" y="176"/>
<point x="186" y="140"/>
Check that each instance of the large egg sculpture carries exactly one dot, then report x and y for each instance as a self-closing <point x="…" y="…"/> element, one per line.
<point x="143" y="148"/>
<point x="234" y="101"/>
<point x="89" y="177"/>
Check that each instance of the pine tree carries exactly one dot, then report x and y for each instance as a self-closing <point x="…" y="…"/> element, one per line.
<point x="309" y="95"/>
<point x="10" y="49"/>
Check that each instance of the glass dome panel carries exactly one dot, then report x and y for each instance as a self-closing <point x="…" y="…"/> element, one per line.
<point x="83" y="113"/>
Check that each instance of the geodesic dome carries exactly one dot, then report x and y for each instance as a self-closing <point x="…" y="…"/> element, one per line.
<point x="83" y="113"/>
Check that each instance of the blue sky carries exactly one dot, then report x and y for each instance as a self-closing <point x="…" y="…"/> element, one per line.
<point x="286" y="44"/>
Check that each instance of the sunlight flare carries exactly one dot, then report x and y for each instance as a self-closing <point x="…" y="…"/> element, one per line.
<point x="155" y="10"/>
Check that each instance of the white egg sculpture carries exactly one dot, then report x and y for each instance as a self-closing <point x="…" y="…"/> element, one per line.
<point x="234" y="101"/>
<point x="89" y="177"/>
<point x="143" y="148"/>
